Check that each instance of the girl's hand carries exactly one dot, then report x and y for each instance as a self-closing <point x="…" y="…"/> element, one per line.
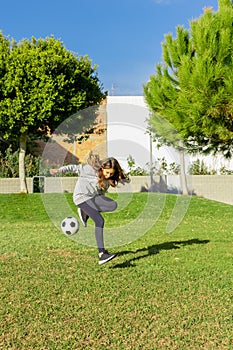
<point x="53" y="171"/>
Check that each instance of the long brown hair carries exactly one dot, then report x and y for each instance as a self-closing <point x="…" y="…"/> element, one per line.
<point x="108" y="163"/>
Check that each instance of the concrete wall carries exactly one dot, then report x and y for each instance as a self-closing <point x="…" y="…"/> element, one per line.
<point x="13" y="185"/>
<point x="214" y="187"/>
<point x="219" y="187"/>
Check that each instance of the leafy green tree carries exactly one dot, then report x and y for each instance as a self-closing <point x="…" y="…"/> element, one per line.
<point x="193" y="86"/>
<point x="42" y="84"/>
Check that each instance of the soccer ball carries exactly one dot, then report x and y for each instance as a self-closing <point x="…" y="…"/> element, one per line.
<point x="70" y="226"/>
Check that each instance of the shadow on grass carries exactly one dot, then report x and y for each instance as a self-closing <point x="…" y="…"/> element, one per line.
<point x="155" y="249"/>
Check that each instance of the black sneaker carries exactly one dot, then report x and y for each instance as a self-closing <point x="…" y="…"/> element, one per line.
<point x="105" y="257"/>
<point x="83" y="217"/>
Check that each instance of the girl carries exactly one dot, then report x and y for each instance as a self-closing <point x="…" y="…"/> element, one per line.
<point x="95" y="177"/>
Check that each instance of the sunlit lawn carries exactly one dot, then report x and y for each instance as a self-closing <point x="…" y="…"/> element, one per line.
<point x="163" y="291"/>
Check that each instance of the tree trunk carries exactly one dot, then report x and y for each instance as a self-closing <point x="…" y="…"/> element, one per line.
<point x="22" y="152"/>
<point x="183" y="179"/>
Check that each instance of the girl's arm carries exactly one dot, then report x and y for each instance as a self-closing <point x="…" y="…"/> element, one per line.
<point x="72" y="168"/>
<point x="53" y="171"/>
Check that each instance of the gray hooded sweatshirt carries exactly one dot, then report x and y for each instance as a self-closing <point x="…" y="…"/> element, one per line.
<point x="87" y="184"/>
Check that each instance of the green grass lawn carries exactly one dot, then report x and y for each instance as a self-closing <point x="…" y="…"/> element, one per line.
<point x="163" y="291"/>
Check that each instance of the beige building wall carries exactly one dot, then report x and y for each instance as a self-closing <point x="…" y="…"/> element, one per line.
<point x="58" y="151"/>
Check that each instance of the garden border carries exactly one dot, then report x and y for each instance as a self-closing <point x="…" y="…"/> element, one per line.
<point x="214" y="187"/>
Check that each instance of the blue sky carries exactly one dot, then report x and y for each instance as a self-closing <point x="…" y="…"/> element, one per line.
<point x="122" y="37"/>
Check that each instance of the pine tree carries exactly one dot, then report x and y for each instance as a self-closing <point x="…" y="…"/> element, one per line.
<point x="193" y="86"/>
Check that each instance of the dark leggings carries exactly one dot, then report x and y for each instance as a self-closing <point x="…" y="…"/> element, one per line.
<point x="92" y="208"/>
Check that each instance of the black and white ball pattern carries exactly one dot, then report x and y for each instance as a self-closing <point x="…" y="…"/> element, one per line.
<point x="70" y="226"/>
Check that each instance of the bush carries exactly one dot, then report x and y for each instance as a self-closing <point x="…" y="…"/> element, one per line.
<point x="198" y="167"/>
<point x="160" y="167"/>
<point x="9" y="164"/>
<point x="133" y="169"/>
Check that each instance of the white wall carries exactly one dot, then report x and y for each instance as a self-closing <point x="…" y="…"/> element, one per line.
<point x="126" y="135"/>
<point x="126" y="129"/>
<point x="126" y="132"/>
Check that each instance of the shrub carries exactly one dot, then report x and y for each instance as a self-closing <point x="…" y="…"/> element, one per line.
<point x="9" y="164"/>
<point x="198" y="167"/>
<point x="160" y="167"/>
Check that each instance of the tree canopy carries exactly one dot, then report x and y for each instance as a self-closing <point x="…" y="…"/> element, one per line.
<point x="193" y="86"/>
<point x="42" y="84"/>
